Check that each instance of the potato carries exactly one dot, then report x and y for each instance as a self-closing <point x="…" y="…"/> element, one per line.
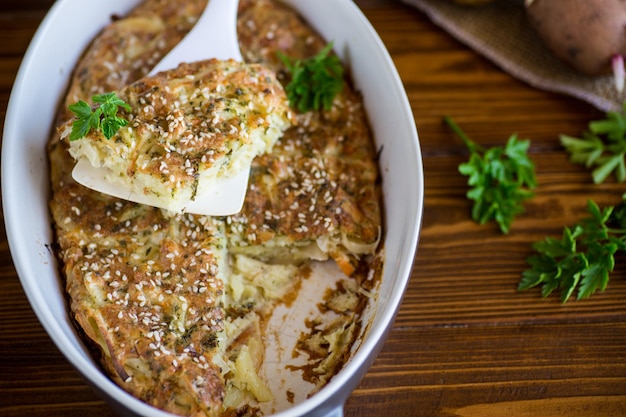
<point x="586" y="34"/>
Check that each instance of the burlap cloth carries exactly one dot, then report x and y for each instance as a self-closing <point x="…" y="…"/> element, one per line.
<point x="500" y="31"/>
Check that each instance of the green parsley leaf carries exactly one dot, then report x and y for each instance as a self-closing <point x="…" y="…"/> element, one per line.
<point x="583" y="258"/>
<point x="85" y="121"/>
<point x="315" y="81"/>
<point x="602" y="147"/>
<point x="102" y="116"/>
<point x="501" y="178"/>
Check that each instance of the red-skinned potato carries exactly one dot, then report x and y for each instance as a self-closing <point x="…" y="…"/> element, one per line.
<point x="586" y="34"/>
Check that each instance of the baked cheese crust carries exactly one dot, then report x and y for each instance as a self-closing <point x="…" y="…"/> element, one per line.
<point x="316" y="195"/>
<point x="174" y="305"/>
<point x="189" y="128"/>
<point x="148" y="292"/>
<point x="129" y="47"/>
<point x="318" y="203"/>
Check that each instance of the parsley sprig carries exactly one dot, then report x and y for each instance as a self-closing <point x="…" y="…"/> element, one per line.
<point x="315" y="81"/>
<point x="603" y="147"/>
<point x="102" y="116"/>
<point x="582" y="259"/>
<point x="501" y="178"/>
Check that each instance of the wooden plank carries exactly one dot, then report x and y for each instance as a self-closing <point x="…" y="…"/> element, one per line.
<point x="466" y="342"/>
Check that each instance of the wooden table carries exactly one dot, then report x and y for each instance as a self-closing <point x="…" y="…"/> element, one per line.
<point x="465" y="342"/>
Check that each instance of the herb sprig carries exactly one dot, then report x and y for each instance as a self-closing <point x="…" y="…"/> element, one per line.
<point x="102" y="116"/>
<point x="603" y="147"/>
<point x="501" y="178"/>
<point x="315" y="81"/>
<point x="582" y="258"/>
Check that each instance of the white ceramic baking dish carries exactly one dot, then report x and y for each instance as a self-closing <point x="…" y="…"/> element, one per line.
<point x="41" y="82"/>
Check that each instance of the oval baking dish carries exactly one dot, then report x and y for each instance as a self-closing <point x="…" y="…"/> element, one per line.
<point x="42" y="80"/>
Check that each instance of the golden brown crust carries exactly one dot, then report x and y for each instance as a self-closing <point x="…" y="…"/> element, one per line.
<point x="266" y="26"/>
<point x="327" y="192"/>
<point x="128" y="268"/>
<point x="128" y="48"/>
<point x="318" y="186"/>
<point x="147" y="290"/>
<point x="320" y="182"/>
<point x="188" y="127"/>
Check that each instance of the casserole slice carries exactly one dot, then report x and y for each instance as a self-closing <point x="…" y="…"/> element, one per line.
<point x="147" y="291"/>
<point x="188" y="128"/>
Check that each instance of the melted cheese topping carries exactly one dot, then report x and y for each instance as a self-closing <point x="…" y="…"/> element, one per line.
<point x="175" y="305"/>
<point x="189" y="128"/>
